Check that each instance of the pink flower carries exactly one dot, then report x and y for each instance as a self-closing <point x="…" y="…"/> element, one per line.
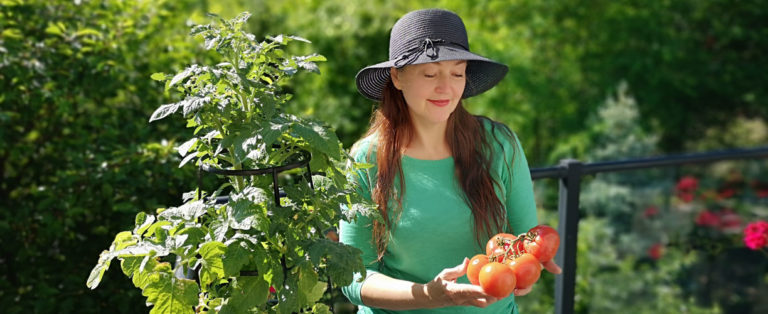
<point x="757" y="227"/>
<point x="651" y="211"/>
<point x="756" y="235"/>
<point x="685" y="188"/>
<point x="707" y="219"/>
<point x="655" y="251"/>
<point x="755" y="241"/>
<point x="687" y="184"/>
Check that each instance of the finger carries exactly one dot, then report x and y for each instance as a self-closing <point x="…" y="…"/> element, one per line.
<point x="482" y="302"/>
<point x="462" y="292"/>
<point x="552" y="267"/>
<point x="521" y="292"/>
<point x="455" y="272"/>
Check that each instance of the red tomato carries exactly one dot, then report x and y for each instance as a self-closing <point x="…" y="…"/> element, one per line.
<point x="473" y="269"/>
<point x="527" y="269"/>
<point x="497" y="279"/>
<point x="332" y="235"/>
<point x="544" y="244"/>
<point x="496" y="241"/>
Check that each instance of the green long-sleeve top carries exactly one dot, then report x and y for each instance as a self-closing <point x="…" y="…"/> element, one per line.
<point x="435" y="230"/>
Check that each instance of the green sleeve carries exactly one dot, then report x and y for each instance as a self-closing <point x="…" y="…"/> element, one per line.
<point x="358" y="233"/>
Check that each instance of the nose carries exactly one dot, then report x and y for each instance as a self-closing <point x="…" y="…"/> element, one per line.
<point x="442" y="84"/>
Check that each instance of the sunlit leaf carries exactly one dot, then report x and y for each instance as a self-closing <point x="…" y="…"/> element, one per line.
<point x="169" y="294"/>
<point x="164" y="111"/>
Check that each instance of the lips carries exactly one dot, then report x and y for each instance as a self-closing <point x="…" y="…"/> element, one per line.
<point x="440" y="103"/>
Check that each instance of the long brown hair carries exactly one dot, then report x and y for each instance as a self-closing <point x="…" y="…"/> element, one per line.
<point x="471" y="152"/>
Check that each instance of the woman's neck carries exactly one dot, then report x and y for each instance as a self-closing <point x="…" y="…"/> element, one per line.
<point x="429" y="142"/>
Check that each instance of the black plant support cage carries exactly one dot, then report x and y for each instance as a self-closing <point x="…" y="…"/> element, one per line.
<point x="273" y="171"/>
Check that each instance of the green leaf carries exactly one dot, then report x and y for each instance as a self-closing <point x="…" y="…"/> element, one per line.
<point x="187" y="212"/>
<point x="143" y="221"/>
<point x="164" y="111"/>
<point x="184" y="148"/>
<point x="122" y="240"/>
<point x="142" y="249"/>
<point x="218" y="230"/>
<point x="341" y="260"/>
<point x="271" y="132"/>
<point x="130" y="265"/>
<point x="187" y="159"/>
<point x="247" y="293"/>
<point x="237" y="254"/>
<point x="321" y="308"/>
<point x="158" y="76"/>
<point x="98" y="271"/>
<point x="245" y="208"/>
<point x="278" y="39"/>
<point x="316" y="292"/>
<point x="88" y="31"/>
<point x="182" y="75"/>
<point x="268" y="265"/>
<point x="310" y="289"/>
<point x="212" y="265"/>
<point x="194" y="103"/>
<point x="308" y="62"/>
<point x="12" y="33"/>
<point x="241" y="214"/>
<point x="319" y="137"/>
<point x="57" y="29"/>
<point x="288" y="297"/>
<point x="169" y="294"/>
<point x="299" y="39"/>
<point x="157" y="227"/>
<point x="195" y="235"/>
<point x="139" y="269"/>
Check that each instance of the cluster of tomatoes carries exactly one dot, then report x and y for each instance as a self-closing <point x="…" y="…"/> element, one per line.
<point x="513" y="262"/>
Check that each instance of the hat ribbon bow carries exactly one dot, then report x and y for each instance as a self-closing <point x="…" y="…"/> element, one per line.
<point x="426" y="46"/>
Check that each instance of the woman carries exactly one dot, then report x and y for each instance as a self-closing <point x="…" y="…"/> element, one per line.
<point x="444" y="180"/>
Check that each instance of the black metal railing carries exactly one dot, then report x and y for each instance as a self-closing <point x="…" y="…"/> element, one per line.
<point x="569" y="172"/>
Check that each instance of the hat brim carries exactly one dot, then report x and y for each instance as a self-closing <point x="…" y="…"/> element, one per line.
<point x="482" y="73"/>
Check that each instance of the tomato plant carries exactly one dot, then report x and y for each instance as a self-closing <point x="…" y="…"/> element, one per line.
<point x="475" y="264"/>
<point x="542" y="241"/>
<point x="527" y="269"/>
<point x="497" y="279"/>
<point x="258" y="238"/>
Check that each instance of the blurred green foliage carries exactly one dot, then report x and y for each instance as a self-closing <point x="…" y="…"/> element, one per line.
<point x="661" y="240"/>
<point x="78" y="158"/>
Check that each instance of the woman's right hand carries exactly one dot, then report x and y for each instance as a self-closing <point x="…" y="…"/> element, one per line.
<point x="445" y="291"/>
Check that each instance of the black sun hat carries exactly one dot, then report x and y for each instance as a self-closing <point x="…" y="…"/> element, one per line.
<point x="425" y="36"/>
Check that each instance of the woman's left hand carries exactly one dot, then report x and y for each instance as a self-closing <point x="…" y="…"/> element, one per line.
<point x="550" y="266"/>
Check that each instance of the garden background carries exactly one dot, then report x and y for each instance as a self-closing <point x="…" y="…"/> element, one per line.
<point x="592" y="80"/>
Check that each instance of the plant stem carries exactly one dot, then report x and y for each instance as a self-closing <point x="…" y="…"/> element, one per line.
<point x="239" y="181"/>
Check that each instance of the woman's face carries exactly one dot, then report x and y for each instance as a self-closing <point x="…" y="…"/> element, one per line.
<point x="431" y="90"/>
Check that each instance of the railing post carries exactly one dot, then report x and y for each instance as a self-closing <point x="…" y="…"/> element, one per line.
<point x="568" y="211"/>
